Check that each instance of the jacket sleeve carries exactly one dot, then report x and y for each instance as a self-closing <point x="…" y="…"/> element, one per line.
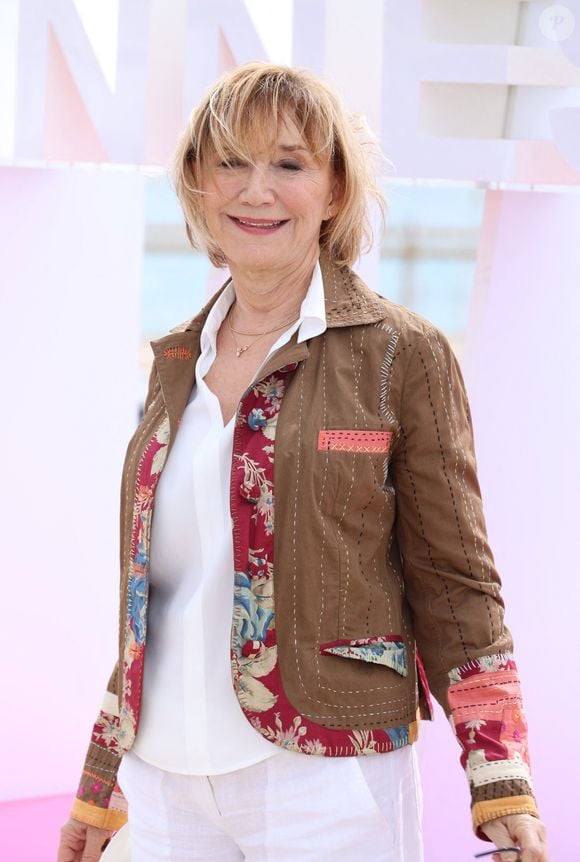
<point x="452" y="583"/>
<point x="99" y="800"/>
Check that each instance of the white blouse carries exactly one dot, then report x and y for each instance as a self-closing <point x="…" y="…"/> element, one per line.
<point x="190" y="720"/>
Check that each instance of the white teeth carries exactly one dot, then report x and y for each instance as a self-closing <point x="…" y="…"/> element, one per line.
<point x="259" y="224"/>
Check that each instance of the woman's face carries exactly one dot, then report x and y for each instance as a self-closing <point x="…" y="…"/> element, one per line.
<point x="267" y="215"/>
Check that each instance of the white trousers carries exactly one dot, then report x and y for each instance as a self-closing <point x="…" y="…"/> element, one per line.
<point x="288" y="808"/>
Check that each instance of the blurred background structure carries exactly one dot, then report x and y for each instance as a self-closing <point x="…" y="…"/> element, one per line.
<point x="477" y="104"/>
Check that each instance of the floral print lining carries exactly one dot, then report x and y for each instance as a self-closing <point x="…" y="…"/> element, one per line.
<point x="389" y="651"/>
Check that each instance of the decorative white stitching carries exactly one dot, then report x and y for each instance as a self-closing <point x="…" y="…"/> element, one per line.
<point x="296" y="496"/>
<point x="323" y="544"/>
<point x="385" y="390"/>
<point x="361" y="715"/>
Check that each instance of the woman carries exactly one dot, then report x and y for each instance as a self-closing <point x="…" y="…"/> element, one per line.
<point x="299" y="389"/>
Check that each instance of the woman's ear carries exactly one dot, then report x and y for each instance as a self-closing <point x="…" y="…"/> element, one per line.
<point x="335" y="198"/>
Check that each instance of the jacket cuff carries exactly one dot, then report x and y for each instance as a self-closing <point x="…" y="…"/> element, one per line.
<point x="103" y="818"/>
<point x="486" y="712"/>
<point x="489" y="809"/>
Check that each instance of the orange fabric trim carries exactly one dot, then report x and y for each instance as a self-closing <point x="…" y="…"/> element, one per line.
<point x="177" y="353"/>
<point x="98" y="777"/>
<point x="489" y="809"/>
<point x="103" y="818"/>
<point x="354" y="441"/>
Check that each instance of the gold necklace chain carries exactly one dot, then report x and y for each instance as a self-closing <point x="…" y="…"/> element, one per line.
<point x="241" y="331"/>
<point x="241" y="348"/>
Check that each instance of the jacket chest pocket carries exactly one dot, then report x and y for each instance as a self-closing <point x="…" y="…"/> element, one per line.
<point x="353" y="465"/>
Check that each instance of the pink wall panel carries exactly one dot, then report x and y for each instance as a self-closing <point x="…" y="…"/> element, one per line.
<point x="69" y="330"/>
<point x="522" y="362"/>
<point x="29" y="828"/>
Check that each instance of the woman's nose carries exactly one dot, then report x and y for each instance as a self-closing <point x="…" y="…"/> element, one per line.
<point x="257" y="189"/>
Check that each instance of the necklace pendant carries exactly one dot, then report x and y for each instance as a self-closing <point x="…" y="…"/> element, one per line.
<point x="240" y="350"/>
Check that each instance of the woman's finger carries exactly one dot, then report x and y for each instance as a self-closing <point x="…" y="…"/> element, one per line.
<point x="96" y="838"/>
<point x="497" y="831"/>
<point x="72" y="841"/>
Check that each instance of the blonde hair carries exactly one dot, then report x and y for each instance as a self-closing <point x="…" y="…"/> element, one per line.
<point x="236" y="118"/>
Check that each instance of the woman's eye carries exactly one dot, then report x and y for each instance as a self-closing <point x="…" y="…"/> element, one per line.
<point x="231" y="163"/>
<point x="291" y="166"/>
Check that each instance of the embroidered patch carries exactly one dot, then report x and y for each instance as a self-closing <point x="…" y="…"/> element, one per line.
<point x="355" y="441"/>
<point x="486" y="709"/>
<point x="514" y="732"/>
<point x="490" y="690"/>
<point x="389" y="651"/>
<point x="106" y="732"/>
<point x="481" y="771"/>
<point x="177" y="353"/>
<point x="483" y="664"/>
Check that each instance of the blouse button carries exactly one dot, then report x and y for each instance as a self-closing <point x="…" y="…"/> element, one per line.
<point x="257" y="419"/>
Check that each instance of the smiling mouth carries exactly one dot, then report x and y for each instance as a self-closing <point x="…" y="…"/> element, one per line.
<point x="258" y="225"/>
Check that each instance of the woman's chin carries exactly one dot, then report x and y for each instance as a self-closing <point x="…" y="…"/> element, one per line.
<point x="259" y="262"/>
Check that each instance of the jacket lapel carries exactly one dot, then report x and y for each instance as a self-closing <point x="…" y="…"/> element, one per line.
<point x="348" y="302"/>
<point x="288" y="354"/>
<point x="175" y="356"/>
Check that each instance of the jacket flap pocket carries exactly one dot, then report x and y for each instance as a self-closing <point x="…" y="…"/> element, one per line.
<point x="388" y="650"/>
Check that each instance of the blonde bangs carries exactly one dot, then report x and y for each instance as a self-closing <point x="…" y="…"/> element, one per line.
<point x="242" y="115"/>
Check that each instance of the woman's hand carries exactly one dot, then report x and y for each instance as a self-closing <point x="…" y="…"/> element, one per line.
<point x="81" y="843"/>
<point x="523" y="830"/>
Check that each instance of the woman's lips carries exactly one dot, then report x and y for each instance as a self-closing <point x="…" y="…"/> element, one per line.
<point x="257" y="225"/>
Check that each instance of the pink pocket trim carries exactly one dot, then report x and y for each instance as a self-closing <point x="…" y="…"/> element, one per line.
<point x="355" y="441"/>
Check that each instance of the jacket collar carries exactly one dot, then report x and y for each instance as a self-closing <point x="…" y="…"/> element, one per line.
<point x="348" y="302"/>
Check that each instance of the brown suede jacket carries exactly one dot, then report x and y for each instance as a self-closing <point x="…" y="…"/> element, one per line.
<point x="380" y="553"/>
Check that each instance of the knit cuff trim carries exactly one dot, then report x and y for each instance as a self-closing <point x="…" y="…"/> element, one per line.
<point x="103" y="818"/>
<point x="489" y="809"/>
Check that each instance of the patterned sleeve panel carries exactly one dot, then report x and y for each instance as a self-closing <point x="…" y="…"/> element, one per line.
<point x="487" y="715"/>
<point x="99" y="800"/>
<point x="452" y="583"/>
